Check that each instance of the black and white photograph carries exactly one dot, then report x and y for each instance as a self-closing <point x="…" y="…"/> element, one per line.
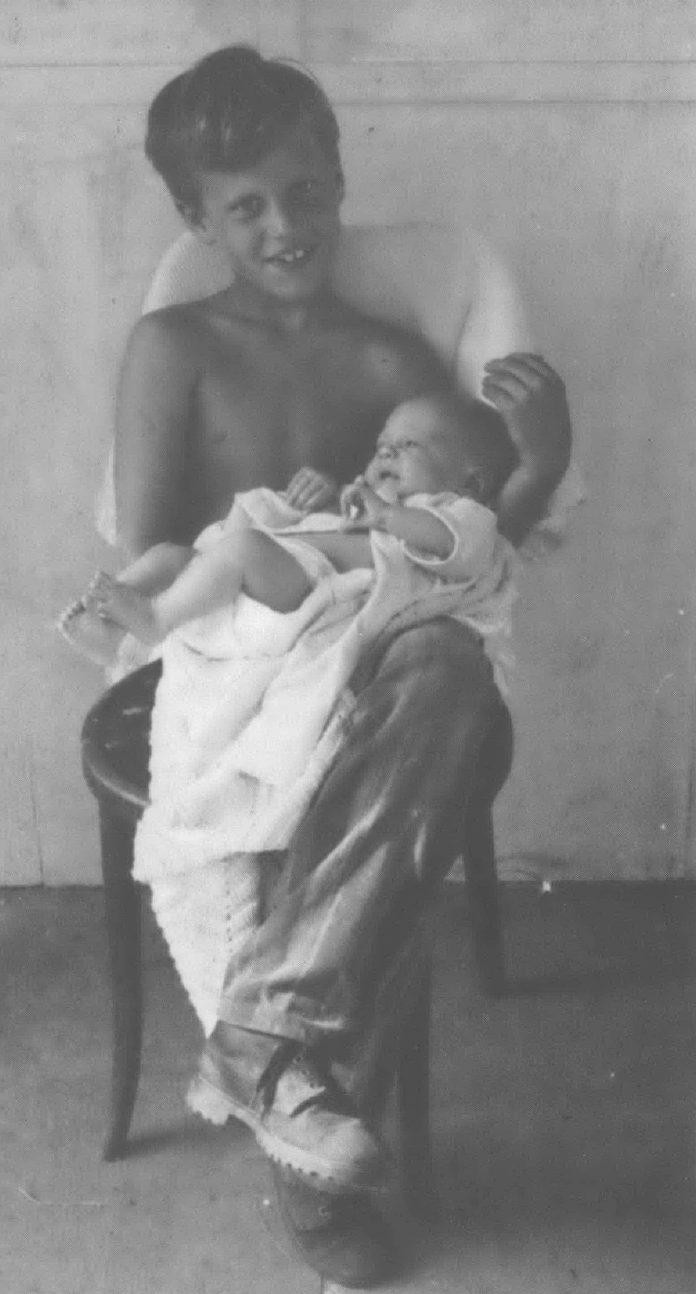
<point x="348" y="647"/>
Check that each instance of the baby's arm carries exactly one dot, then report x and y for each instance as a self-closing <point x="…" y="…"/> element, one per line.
<point x="418" y="528"/>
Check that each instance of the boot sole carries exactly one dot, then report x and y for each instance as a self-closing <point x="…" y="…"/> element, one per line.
<point x="217" y="1107"/>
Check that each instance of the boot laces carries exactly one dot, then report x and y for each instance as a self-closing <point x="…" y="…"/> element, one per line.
<point x="319" y="1078"/>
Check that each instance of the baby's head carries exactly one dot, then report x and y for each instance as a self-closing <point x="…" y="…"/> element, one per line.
<point x="437" y="443"/>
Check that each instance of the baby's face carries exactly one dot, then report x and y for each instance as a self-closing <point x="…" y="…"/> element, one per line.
<point x="411" y="455"/>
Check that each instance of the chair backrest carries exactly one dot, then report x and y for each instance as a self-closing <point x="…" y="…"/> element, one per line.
<point x="440" y="280"/>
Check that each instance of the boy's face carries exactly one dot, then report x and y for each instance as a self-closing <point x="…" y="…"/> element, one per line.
<point x="278" y="221"/>
<point x="413" y="454"/>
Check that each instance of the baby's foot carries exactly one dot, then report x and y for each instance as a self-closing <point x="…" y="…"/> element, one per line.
<point x="130" y="609"/>
<point x="100" y="590"/>
<point x="91" y="635"/>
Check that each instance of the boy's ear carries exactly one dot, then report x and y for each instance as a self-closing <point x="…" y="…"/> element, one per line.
<point x="194" y="220"/>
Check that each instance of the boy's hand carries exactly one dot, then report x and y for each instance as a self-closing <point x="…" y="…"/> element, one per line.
<point x="310" y="490"/>
<point x="362" y="507"/>
<point x="531" y="398"/>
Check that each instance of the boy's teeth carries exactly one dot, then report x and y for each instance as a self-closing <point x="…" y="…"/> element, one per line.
<point x="289" y="258"/>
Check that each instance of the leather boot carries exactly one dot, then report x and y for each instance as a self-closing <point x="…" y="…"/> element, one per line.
<point x="299" y="1115"/>
<point x="342" y="1237"/>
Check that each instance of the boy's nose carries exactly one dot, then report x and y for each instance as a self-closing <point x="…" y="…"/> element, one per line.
<point x="279" y="220"/>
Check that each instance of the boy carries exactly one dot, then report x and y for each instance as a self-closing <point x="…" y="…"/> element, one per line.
<point x="276" y="379"/>
<point x="275" y="374"/>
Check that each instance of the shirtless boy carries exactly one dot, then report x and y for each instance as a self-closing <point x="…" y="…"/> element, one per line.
<point x="277" y="379"/>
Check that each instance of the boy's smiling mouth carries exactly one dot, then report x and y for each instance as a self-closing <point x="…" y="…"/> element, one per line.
<point x="293" y="256"/>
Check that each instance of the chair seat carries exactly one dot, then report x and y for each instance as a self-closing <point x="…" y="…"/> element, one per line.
<point x="116" y="743"/>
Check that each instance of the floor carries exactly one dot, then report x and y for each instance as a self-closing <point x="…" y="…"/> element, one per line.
<point x="563" y="1115"/>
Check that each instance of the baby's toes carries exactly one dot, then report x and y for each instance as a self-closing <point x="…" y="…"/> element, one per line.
<point x="70" y="613"/>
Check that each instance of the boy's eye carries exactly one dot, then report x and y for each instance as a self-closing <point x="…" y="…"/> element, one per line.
<point x="307" y="191"/>
<point x="247" y="209"/>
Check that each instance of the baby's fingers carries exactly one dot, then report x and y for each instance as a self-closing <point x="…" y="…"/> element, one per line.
<point x="314" y="496"/>
<point x="352" y="496"/>
<point x="296" y="487"/>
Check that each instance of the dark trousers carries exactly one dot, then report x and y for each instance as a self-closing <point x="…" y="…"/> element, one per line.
<point x="335" y="961"/>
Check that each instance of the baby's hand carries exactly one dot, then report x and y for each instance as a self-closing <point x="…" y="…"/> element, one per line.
<point x="362" y="507"/>
<point x="310" y="490"/>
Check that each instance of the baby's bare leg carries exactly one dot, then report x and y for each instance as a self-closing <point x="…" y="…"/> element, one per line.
<point x="90" y="630"/>
<point x="271" y="574"/>
<point x="244" y="560"/>
<point x="157" y="568"/>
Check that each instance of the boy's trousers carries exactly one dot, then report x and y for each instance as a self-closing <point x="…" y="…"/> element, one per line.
<point x="336" y="960"/>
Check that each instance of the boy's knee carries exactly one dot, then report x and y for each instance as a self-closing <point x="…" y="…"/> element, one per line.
<point x="441" y="656"/>
<point x="442" y="679"/>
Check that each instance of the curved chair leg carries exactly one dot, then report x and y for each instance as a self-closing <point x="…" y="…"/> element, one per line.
<point x="414" y="1104"/>
<point x="122" y="901"/>
<point x="483" y="899"/>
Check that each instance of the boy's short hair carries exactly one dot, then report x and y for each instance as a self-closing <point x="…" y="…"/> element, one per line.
<point x="227" y="112"/>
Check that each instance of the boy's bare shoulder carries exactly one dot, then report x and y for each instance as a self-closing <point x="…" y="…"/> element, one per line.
<point x="400" y="361"/>
<point x="171" y="328"/>
<point x="175" y="344"/>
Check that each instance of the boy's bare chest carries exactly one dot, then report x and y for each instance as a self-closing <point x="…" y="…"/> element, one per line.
<point x="264" y="410"/>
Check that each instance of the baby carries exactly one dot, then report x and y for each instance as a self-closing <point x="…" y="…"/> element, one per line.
<point x="263" y="623"/>
<point x="432" y="484"/>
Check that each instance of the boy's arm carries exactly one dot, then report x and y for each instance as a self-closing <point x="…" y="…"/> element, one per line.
<point x="152" y="417"/>
<point x="531" y="398"/>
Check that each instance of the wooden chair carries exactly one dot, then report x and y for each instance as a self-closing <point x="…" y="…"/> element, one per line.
<point x="115" y="755"/>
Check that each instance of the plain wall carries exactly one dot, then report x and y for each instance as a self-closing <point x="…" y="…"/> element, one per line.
<point x="568" y="136"/>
